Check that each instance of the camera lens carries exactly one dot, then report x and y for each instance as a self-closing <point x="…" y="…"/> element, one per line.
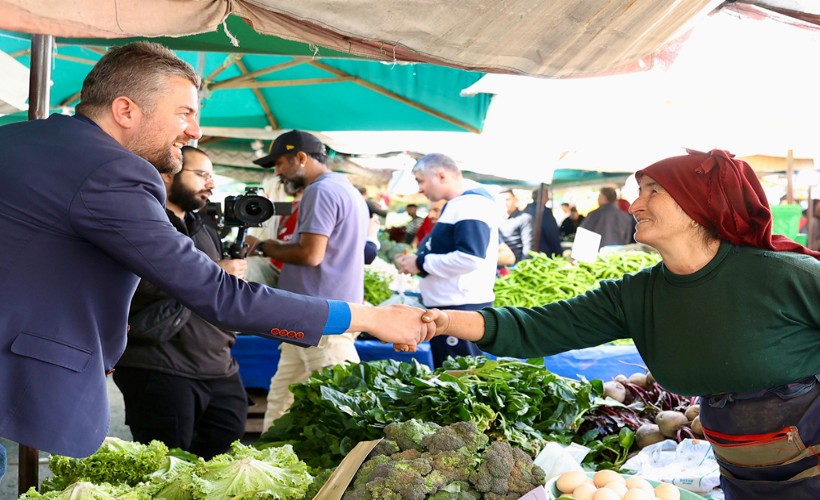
<point x="253" y="209"/>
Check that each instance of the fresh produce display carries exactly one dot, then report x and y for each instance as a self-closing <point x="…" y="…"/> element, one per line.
<point x="520" y="402"/>
<point x="125" y="470"/>
<point x="116" y="461"/>
<point x="376" y="287"/>
<point x="542" y="279"/>
<point x="389" y="249"/>
<point x="654" y="413"/>
<point x="422" y="460"/>
<point x="609" y="485"/>
<point x="382" y="278"/>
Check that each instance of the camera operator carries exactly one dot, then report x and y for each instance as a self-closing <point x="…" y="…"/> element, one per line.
<point x="185" y="391"/>
<point x="323" y="259"/>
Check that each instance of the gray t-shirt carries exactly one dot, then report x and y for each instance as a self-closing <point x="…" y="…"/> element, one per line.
<point x="331" y="206"/>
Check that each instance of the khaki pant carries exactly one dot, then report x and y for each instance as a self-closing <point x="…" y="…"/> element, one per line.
<point x="297" y="364"/>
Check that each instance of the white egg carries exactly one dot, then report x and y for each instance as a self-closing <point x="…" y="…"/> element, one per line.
<point x="639" y="482"/>
<point x="584" y="492"/>
<point x="603" y="477"/>
<point x="638" y="494"/>
<point x="569" y="481"/>
<point x="666" y="491"/>
<point x="617" y="486"/>
<point x="605" y="494"/>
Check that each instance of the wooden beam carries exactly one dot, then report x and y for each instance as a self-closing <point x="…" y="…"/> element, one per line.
<point x="70" y="99"/>
<point x="259" y="97"/>
<point x="291" y="83"/>
<point x="229" y="61"/>
<point x="80" y="60"/>
<point x="231" y="83"/>
<point x="392" y="95"/>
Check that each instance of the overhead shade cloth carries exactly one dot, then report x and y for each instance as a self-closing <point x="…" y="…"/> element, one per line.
<point x="253" y="92"/>
<point x="567" y="38"/>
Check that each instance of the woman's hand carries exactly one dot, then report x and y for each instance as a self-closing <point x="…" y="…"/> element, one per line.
<point x="439" y="318"/>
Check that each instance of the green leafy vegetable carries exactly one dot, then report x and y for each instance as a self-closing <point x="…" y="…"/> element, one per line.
<point x="518" y="401"/>
<point x="542" y="279"/>
<point x="116" y="461"/>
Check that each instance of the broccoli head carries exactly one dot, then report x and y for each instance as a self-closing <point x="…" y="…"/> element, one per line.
<point x="455" y="436"/>
<point x="367" y="472"/>
<point x="492" y="475"/>
<point x="407" y="455"/>
<point x="457" y="490"/>
<point x="384" y="447"/>
<point x="524" y="476"/>
<point x="408" y="435"/>
<point x="454" y="465"/>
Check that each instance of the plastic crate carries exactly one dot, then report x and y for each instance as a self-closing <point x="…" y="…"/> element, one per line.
<point x="786" y="219"/>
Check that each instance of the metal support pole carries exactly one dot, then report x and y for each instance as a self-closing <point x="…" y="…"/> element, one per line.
<point x="28" y="472"/>
<point x="39" y="76"/>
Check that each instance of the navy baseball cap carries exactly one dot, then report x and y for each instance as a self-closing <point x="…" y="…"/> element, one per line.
<point x="290" y="143"/>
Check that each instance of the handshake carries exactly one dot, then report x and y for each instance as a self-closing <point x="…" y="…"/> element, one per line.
<point x="403" y="326"/>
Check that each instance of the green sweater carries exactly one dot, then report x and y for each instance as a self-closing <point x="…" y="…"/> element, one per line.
<point x="749" y="320"/>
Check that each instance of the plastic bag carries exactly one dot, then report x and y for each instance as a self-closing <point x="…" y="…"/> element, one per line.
<point x="555" y="458"/>
<point x="690" y="464"/>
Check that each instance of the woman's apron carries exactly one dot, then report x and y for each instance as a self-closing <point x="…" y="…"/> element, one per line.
<point x="768" y="442"/>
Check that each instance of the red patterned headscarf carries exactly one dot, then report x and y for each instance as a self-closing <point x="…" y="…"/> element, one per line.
<point x="719" y="192"/>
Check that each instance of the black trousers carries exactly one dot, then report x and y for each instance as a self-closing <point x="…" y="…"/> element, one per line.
<point x="445" y="346"/>
<point x="200" y="416"/>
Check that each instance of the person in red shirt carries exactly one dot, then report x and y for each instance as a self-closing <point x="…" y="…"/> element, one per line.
<point x="429" y="221"/>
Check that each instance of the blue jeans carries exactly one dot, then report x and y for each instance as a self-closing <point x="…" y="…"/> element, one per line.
<point x="2" y="462"/>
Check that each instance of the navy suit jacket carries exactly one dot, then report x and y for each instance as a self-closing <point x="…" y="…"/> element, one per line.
<point x="82" y="218"/>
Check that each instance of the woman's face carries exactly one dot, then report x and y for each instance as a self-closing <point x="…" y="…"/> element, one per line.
<point x="662" y="223"/>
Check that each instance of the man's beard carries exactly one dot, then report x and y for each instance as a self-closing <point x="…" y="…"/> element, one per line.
<point x="185" y="198"/>
<point x="161" y="157"/>
<point x="292" y="186"/>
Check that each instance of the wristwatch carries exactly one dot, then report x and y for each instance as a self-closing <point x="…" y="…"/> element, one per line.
<point x="260" y="248"/>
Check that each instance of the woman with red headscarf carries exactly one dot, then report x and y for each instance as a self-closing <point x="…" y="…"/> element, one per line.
<point x="729" y="315"/>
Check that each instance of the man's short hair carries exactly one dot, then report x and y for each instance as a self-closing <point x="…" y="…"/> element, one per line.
<point x="139" y="71"/>
<point x="193" y="149"/>
<point x="610" y="194"/>
<point x="435" y="161"/>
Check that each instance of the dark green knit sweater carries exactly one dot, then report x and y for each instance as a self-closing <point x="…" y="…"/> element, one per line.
<point x="748" y="320"/>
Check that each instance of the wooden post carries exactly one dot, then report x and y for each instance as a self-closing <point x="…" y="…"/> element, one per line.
<point x="28" y="472"/>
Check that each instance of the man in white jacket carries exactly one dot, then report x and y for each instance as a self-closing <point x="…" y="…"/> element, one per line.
<point x="457" y="261"/>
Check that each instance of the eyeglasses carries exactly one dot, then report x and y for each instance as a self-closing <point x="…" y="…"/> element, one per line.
<point x="208" y="176"/>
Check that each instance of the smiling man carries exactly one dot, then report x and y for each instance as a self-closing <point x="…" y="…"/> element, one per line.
<point x="82" y="211"/>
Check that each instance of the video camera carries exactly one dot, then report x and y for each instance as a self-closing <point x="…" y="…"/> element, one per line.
<point x="248" y="210"/>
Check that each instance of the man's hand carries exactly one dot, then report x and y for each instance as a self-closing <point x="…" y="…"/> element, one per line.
<point x="407" y="264"/>
<point x="432" y="317"/>
<point x="235" y="267"/>
<point x="395" y="324"/>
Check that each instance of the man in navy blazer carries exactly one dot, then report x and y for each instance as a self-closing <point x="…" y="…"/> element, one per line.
<point x="82" y="216"/>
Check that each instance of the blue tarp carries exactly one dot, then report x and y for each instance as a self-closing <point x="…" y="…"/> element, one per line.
<point x="602" y="362"/>
<point x="258" y="358"/>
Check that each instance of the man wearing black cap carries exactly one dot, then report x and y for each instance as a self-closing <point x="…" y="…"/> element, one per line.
<point x="330" y="230"/>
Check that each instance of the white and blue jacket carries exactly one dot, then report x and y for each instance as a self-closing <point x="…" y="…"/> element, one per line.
<point x="458" y="259"/>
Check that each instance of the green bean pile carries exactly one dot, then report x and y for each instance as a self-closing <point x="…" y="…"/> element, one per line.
<point x="542" y="279"/>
